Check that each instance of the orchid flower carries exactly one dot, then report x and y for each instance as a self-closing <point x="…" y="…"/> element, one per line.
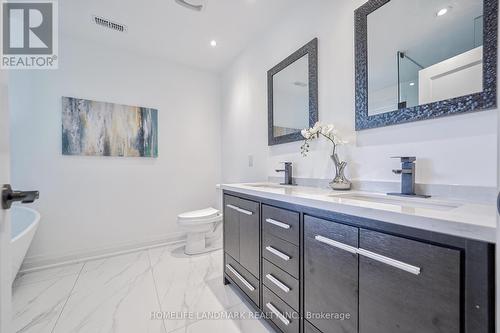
<point x="327" y="131"/>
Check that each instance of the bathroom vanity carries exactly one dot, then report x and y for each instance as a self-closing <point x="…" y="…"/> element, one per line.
<point x="315" y="260"/>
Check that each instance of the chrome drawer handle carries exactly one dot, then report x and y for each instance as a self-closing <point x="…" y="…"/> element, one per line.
<point x="278" y="223"/>
<point x="377" y="257"/>
<point x="241" y="210"/>
<point x="278" y="283"/>
<point x="278" y="314"/>
<point x="278" y="253"/>
<point x="233" y="207"/>
<point x="246" y="212"/>
<point x="331" y="242"/>
<point x="241" y="278"/>
<point x="391" y="262"/>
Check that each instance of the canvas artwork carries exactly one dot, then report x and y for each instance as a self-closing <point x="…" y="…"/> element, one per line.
<point x="93" y="128"/>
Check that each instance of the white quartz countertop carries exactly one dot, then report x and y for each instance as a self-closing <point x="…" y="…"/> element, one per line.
<point x="452" y="217"/>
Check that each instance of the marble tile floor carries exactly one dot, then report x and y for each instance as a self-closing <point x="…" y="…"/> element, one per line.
<point x="157" y="290"/>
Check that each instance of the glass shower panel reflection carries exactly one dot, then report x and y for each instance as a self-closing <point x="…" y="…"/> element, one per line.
<point x="408" y="69"/>
<point x="478" y="31"/>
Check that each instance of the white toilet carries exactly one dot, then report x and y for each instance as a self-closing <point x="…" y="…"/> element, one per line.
<point x="204" y="230"/>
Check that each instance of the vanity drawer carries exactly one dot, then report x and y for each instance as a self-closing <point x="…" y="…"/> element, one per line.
<point x="281" y="253"/>
<point x="244" y="279"/>
<point x="279" y="312"/>
<point x="282" y="284"/>
<point x="281" y="223"/>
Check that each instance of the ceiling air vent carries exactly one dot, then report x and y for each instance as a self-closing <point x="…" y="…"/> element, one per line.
<point x="104" y="22"/>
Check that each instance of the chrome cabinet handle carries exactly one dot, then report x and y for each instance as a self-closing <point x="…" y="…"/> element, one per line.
<point x="278" y="314"/>
<point x="233" y="207"/>
<point x="238" y="209"/>
<point x="278" y="283"/>
<point x="241" y="278"/>
<point x="246" y="212"/>
<point x="331" y="242"/>
<point x="391" y="262"/>
<point x="377" y="257"/>
<point x="278" y="223"/>
<point x="278" y="253"/>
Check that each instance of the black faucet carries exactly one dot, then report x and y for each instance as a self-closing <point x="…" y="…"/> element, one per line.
<point x="288" y="173"/>
<point x="407" y="173"/>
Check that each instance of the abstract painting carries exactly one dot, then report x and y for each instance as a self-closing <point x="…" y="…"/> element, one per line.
<point x="93" y="128"/>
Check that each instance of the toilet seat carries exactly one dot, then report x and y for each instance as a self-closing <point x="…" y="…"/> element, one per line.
<point x="203" y="228"/>
<point x="202" y="216"/>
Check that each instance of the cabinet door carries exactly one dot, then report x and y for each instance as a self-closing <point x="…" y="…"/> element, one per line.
<point x="249" y="234"/>
<point x="407" y="286"/>
<point x="231" y="227"/>
<point x="331" y="275"/>
<point x="248" y="283"/>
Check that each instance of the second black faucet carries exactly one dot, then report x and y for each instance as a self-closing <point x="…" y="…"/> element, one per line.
<point x="288" y="170"/>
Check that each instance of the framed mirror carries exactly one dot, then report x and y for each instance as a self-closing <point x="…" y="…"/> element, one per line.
<point x="422" y="59"/>
<point x="292" y="88"/>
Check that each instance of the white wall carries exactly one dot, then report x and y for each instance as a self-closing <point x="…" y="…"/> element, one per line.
<point x="95" y="203"/>
<point x="452" y="150"/>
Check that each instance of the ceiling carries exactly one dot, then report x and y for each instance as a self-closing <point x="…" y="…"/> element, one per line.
<point x="163" y="28"/>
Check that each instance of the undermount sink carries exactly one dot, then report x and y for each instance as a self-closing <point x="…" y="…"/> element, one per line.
<point x="398" y="201"/>
<point x="268" y="185"/>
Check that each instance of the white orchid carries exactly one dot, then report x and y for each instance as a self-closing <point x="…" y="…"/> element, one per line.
<point x="340" y="182"/>
<point x="316" y="129"/>
<point x="328" y="131"/>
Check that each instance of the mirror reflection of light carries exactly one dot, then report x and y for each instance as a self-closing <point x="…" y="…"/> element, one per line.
<point x="412" y="84"/>
<point x="442" y="12"/>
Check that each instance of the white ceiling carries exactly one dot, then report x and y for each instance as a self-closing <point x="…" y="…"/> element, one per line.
<point x="163" y="28"/>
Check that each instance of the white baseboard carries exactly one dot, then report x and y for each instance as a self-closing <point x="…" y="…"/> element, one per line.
<point x="40" y="262"/>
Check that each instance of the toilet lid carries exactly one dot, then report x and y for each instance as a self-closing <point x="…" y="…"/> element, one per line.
<point x="201" y="214"/>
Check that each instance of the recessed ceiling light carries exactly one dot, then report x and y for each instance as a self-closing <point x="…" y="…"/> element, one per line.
<point x="412" y="84"/>
<point x="442" y="12"/>
<point x="213" y="43"/>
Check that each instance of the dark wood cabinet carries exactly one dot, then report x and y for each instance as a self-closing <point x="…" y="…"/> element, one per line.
<point x="281" y="253"/>
<point x="330" y="275"/>
<point x="281" y="223"/>
<point x="248" y="283"/>
<point x="309" y="328"/>
<point x="242" y="232"/>
<point x="280" y="313"/>
<point x="231" y="227"/>
<point x="319" y="271"/>
<point x="249" y="236"/>
<point x="421" y="297"/>
<point x="281" y="283"/>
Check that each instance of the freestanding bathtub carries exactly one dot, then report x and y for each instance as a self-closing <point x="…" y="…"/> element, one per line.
<point x="24" y="224"/>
